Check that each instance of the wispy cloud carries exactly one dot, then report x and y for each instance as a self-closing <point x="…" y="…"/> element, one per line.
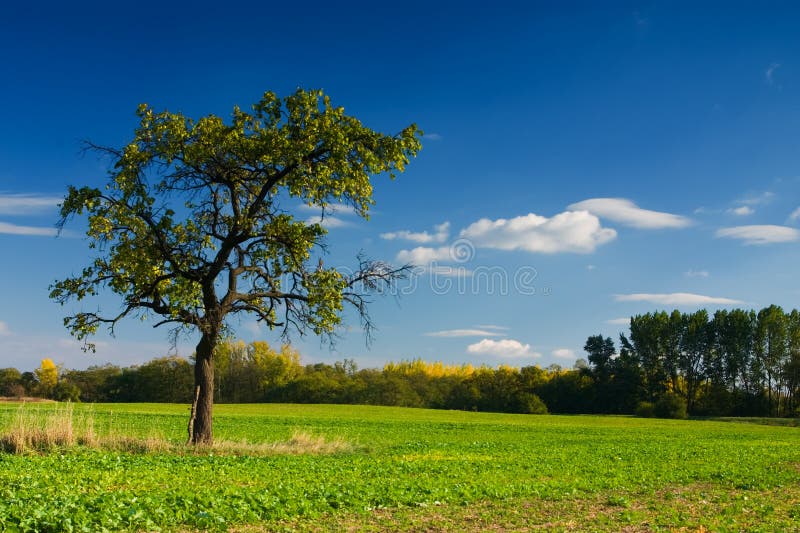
<point x="449" y="271"/>
<point x="742" y="211"/>
<point x="621" y="321"/>
<point x="331" y="209"/>
<point x="676" y="298"/>
<point x="37" y="231"/>
<point x="504" y="348"/>
<point x="452" y="333"/>
<point x="760" y="234"/>
<point x="26" y="204"/>
<point x="628" y="213"/>
<point x="440" y="234"/>
<point x="5" y="331"/>
<point x="492" y="326"/>
<point x="563" y="353"/>
<point x="73" y="343"/>
<point x="253" y="326"/>
<point x="329" y="222"/>
<point x="761" y="198"/>
<point x="794" y="215"/>
<point x="570" y="232"/>
<point x="432" y="137"/>
<point x="769" y="73"/>
<point x="696" y="273"/>
<point x="25" y="351"/>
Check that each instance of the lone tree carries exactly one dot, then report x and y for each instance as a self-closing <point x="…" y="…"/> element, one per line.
<point x="194" y="227"/>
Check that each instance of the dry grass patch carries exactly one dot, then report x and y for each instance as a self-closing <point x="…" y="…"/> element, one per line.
<point x="42" y="430"/>
<point x="35" y="430"/>
<point x="300" y="443"/>
<point x="27" y="399"/>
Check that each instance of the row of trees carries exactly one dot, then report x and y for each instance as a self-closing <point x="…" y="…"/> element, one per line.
<point x="735" y="362"/>
<point x="732" y="363"/>
<point x="258" y="373"/>
<point x="42" y="382"/>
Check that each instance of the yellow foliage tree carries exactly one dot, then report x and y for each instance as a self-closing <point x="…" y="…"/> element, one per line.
<point x="436" y="369"/>
<point x="278" y="368"/>
<point x="47" y="374"/>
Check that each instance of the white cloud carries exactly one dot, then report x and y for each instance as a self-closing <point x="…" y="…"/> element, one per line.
<point x="563" y="353"/>
<point x="676" y="298"/>
<point x="426" y="259"/>
<point x="464" y="333"/>
<point x="73" y="343"/>
<point x="742" y="211"/>
<point x="253" y="326"/>
<point x="570" y="231"/>
<point x="449" y="271"/>
<point x="25" y="352"/>
<point x="696" y="273"/>
<point x="626" y="212"/>
<point x="328" y="222"/>
<point x="16" y="229"/>
<point x="622" y="321"/>
<point x="5" y="331"/>
<point x="424" y="255"/>
<point x="502" y="348"/>
<point x="760" y="234"/>
<point x="757" y="198"/>
<point x="432" y="137"/>
<point x="331" y="209"/>
<point x="492" y="326"/>
<point x="794" y="215"/>
<point x="23" y="204"/>
<point x="769" y="73"/>
<point x="440" y="234"/>
<point x="591" y="267"/>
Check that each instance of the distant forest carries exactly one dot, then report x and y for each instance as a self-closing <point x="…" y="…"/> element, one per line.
<point x="731" y="363"/>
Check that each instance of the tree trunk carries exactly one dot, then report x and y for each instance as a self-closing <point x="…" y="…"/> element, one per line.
<point x="202" y="428"/>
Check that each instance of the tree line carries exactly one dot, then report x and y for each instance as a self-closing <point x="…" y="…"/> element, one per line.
<point x="731" y="363"/>
<point x="735" y="362"/>
<point x="255" y="372"/>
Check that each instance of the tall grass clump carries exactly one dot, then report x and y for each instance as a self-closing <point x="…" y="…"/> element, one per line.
<point x="43" y="429"/>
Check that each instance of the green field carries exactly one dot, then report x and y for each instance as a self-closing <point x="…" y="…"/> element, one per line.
<point x="411" y="469"/>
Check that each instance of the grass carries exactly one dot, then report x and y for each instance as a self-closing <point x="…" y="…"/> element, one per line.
<point x="60" y="429"/>
<point x="787" y="422"/>
<point x="407" y="469"/>
<point x="693" y="508"/>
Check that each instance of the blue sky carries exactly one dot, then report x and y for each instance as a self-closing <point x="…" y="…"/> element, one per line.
<point x="580" y="165"/>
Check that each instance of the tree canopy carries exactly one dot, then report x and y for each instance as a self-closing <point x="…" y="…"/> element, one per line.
<point x="195" y="223"/>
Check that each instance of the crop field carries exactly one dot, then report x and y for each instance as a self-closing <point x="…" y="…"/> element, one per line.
<point x="409" y="469"/>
